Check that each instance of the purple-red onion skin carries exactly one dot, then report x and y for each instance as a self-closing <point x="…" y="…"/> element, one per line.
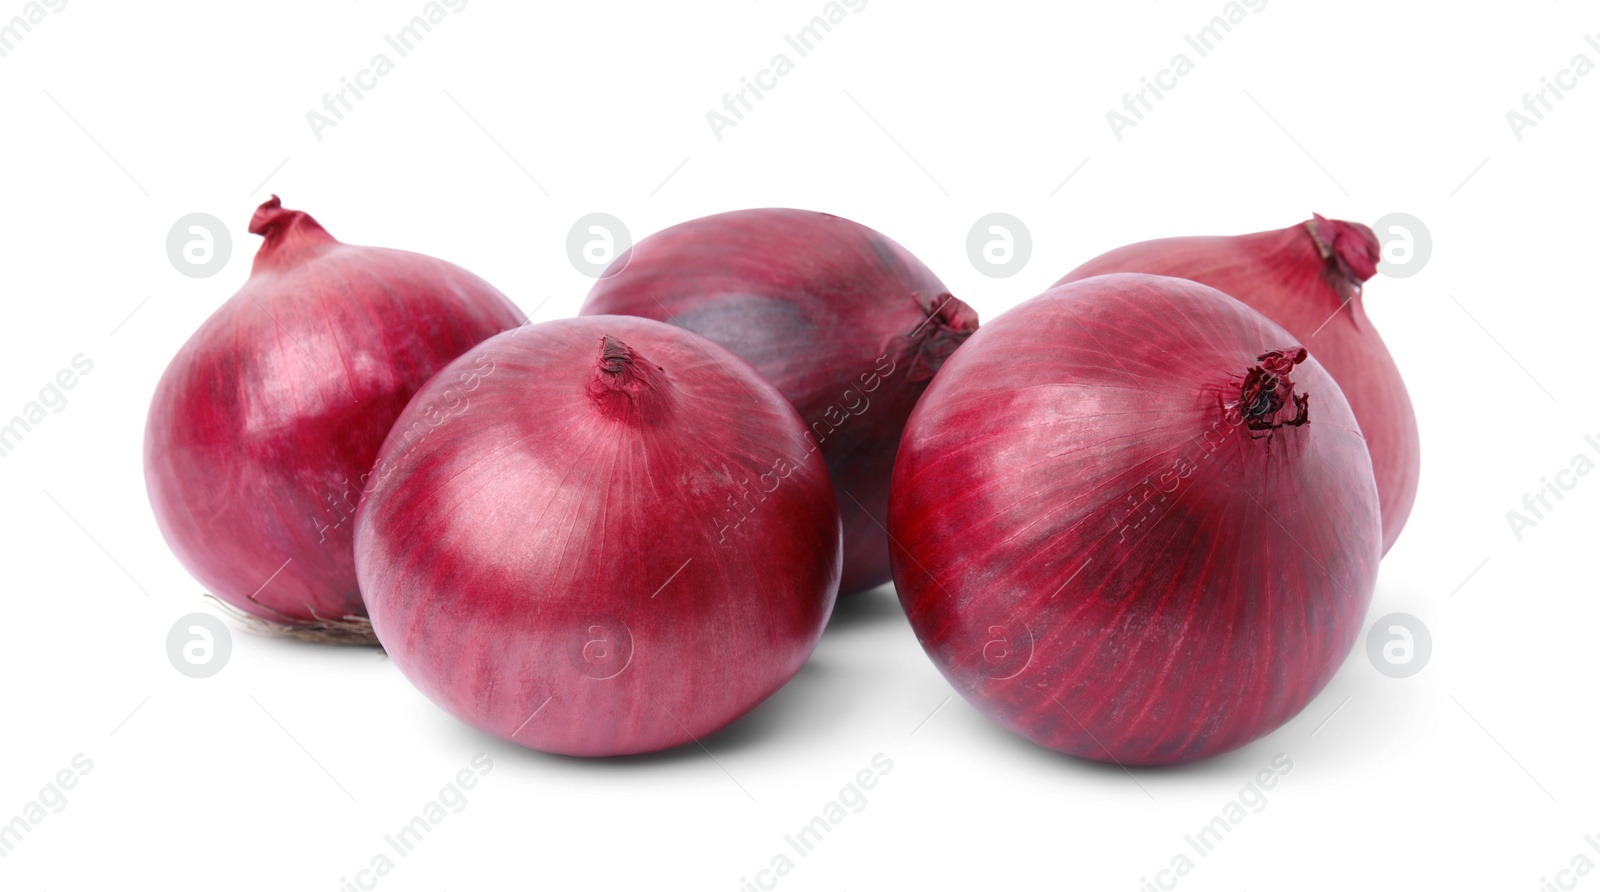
<point x="1307" y="278"/>
<point x="1098" y="558"/>
<point x="555" y="563"/>
<point x="846" y="323"/>
<point x="263" y="426"/>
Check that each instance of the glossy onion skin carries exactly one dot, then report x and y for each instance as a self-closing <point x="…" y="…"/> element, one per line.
<point x="1300" y="277"/>
<point x="558" y="549"/>
<point x="1074" y="583"/>
<point x="847" y="324"/>
<point x="262" y="427"/>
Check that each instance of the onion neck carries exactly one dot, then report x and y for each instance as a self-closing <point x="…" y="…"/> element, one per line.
<point x="946" y="324"/>
<point x="628" y="387"/>
<point x="1265" y="400"/>
<point x="1349" y="252"/>
<point x="290" y="236"/>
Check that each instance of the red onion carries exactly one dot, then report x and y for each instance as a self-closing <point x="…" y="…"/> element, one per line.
<point x="1134" y="522"/>
<point x="558" y="568"/>
<point x="264" y="425"/>
<point x="846" y="323"/>
<point x="1307" y="278"/>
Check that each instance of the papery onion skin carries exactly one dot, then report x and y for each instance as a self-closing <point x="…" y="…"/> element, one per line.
<point x="1308" y="278"/>
<point x="263" y="427"/>
<point x="1100" y="557"/>
<point x="553" y="567"/>
<point x="846" y="323"/>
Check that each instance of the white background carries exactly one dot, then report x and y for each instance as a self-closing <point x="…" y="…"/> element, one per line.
<point x="505" y="126"/>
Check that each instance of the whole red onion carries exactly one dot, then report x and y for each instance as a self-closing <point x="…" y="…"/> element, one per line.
<point x="847" y="324"/>
<point x="556" y="567"/>
<point x="1134" y="522"/>
<point x="1307" y="278"/>
<point x="265" y="424"/>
